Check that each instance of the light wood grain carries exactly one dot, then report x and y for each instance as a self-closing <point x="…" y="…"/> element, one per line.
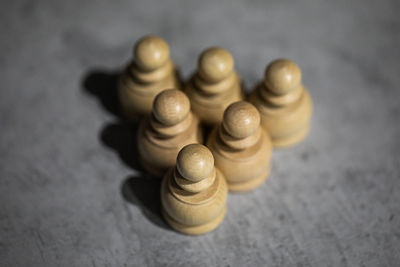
<point x="284" y="104"/>
<point x="171" y="127"/>
<point x="241" y="148"/>
<point x="194" y="194"/>
<point x="214" y="85"/>
<point x="150" y="72"/>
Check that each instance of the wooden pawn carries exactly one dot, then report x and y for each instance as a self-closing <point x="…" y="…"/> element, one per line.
<point x="214" y="86"/>
<point x="194" y="193"/>
<point x="284" y="103"/>
<point x="170" y="127"/>
<point x="150" y="72"/>
<point x="241" y="148"/>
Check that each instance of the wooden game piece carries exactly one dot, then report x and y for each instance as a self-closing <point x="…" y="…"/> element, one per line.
<point x="194" y="193"/>
<point x="150" y="72"/>
<point x="214" y="86"/>
<point x="170" y="127"/>
<point x="284" y="104"/>
<point x="241" y="148"/>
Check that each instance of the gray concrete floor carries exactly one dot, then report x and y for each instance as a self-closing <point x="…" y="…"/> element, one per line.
<point x="72" y="194"/>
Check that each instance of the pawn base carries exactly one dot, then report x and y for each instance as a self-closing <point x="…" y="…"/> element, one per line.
<point x="248" y="185"/>
<point x="291" y="140"/>
<point x="194" y="229"/>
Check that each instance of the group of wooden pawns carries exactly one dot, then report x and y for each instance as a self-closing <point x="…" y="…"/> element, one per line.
<point x="196" y="178"/>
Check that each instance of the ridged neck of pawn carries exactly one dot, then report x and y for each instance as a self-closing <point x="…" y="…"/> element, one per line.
<point x="151" y="76"/>
<point x="207" y="194"/>
<point x="166" y="130"/>
<point x="194" y="187"/>
<point x="216" y="87"/>
<point x="281" y="100"/>
<point x="238" y="143"/>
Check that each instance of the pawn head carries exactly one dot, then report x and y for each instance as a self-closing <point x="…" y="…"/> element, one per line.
<point x="215" y="64"/>
<point x="195" y="162"/>
<point x="151" y="52"/>
<point x="241" y="119"/>
<point x="171" y="106"/>
<point x="282" y="76"/>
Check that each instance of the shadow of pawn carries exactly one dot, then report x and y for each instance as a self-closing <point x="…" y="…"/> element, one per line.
<point x="104" y="86"/>
<point x="122" y="138"/>
<point x="145" y="193"/>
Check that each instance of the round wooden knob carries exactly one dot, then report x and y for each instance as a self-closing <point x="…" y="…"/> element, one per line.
<point x="151" y="52"/>
<point x="215" y="64"/>
<point x="241" y="119"/>
<point x="282" y="76"/>
<point x="171" y="106"/>
<point x="195" y="162"/>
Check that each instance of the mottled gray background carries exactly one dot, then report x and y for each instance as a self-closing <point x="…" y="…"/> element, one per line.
<point x="71" y="192"/>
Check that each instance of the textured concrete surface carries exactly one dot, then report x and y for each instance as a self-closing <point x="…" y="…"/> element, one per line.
<point x="71" y="192"/>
